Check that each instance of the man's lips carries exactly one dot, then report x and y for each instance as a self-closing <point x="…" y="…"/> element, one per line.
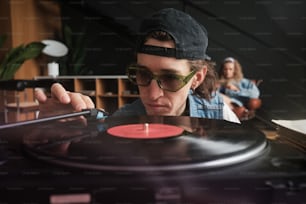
<point x="155" y="105"/>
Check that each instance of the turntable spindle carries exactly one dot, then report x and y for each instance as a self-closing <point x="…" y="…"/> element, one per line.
<point x="146" y="127"/>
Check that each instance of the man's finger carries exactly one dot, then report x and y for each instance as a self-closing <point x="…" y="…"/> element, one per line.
<point x="59" y="92"/>
<point x="40" y="95"/>
<point x="77" y="101"/>
<point x="88" y="101"/>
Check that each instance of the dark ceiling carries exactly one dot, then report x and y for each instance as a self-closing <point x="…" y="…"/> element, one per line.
<point x="276" y="25"/>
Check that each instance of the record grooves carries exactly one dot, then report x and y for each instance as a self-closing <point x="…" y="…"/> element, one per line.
<point x="193" y="144"/>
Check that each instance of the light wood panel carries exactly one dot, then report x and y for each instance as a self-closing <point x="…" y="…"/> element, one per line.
<point x="27" y="21"/>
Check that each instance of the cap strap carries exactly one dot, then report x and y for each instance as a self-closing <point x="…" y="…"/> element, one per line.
<point x="155" y="50"/>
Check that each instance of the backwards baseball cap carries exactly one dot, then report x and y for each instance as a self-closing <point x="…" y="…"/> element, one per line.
<point x="190" y="37"/>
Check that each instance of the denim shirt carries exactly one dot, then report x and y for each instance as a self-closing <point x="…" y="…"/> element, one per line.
<point x="198" y="107"/>
<point x="247" y="90"/>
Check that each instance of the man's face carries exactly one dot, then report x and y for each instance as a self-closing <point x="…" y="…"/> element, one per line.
<point x="156" y="100"/>
<point x="228" y="70"/>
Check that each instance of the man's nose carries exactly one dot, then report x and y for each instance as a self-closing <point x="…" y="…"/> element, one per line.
<point x="154" y="90"/>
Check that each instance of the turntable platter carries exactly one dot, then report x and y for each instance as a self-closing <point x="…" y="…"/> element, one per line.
<point x="198" y="144"/>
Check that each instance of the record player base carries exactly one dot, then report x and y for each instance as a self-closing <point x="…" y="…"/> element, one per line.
<point x="276" y="175"/>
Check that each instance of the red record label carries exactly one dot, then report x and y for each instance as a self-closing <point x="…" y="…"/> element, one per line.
<point x="145" y="131"/>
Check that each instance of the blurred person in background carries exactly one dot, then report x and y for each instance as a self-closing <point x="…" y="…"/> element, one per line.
<point x="240" y="93"/>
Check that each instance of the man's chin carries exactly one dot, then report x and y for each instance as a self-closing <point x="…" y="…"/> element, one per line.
<point x="158" y="113"/>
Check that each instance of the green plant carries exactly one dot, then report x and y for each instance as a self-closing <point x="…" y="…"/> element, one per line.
<point x="74" y="63"/>
<point x="15" y="57"/>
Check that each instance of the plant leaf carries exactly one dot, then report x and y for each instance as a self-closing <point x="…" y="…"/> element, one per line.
<point x="32" y="50"/>
<point x="12" y="55"/>
<point x="10" y="70"/>
<point x="17" y="56"/>
<point x="68" y="36"/>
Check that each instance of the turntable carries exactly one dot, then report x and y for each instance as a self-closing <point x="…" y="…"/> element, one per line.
<point x="148" y="159"/>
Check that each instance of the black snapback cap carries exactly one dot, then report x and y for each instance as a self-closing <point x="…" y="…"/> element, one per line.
<point x="190" y="37"/>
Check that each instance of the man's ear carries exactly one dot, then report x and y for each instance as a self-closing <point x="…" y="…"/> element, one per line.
<point x="199" y="77"/>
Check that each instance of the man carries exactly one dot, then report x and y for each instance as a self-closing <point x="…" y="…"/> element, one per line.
<point x="171" y="72"/>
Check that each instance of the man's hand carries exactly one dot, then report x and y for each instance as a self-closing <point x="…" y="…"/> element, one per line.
<point x="61" y="101"/>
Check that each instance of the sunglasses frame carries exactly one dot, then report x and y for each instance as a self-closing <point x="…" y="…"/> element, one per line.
<point x="184" y="79"/>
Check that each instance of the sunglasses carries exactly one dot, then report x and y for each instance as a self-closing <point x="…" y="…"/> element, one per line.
<point x="141" y="76"/>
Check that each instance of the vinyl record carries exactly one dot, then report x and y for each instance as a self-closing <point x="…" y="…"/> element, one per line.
<point x="201" y="144"/>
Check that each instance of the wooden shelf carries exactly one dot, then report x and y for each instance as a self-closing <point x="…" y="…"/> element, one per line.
<point x="131" y="95"/>
<point x="109" y="96"/>
<point x="108" y="92"/>
<point x="88" y="92"/>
